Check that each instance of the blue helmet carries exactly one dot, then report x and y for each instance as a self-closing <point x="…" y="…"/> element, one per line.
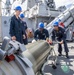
<point x="41" y="25"/>
<point x="22" y="16"/>
<point x="59" y="20"/>
<point x="18" y="8"/>
<point x="56" y="24"/>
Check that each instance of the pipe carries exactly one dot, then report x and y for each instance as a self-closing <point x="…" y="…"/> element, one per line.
<point x="37" y="54"/>
<point x="67" y="23"/>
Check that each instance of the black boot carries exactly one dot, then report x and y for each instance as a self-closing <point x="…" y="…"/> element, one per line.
<point x="67" y="55"/>
<point x="60" y="54"/>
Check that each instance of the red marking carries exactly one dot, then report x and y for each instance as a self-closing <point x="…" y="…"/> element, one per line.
<point x="61" y="24"/>
<point x="10" y="58"/>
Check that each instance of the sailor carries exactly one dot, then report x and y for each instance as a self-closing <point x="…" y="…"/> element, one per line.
<point x="41" y="33"/>
<point x="16" y="31"/>
<point x="59" y="34"/>
<point x="24" y="29"/>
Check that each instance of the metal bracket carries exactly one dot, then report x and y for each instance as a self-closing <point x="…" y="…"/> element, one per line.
<point x="25" y="70"/>
<point x="5" y="43"/>
<point x="18" y="45"/>
<point x="26" y="61"/>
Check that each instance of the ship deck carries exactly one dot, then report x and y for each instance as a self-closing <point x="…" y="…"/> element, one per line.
<point x="62" y="63"/>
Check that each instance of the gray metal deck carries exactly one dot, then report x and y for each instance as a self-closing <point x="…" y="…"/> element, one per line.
<point x="62" y="61"/>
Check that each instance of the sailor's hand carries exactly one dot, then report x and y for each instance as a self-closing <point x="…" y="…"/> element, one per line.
<point x="24" y="37"/>
<point x="13" y="38"/>
<point x="49" y="41"/>
<point x="61" y="42"/>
